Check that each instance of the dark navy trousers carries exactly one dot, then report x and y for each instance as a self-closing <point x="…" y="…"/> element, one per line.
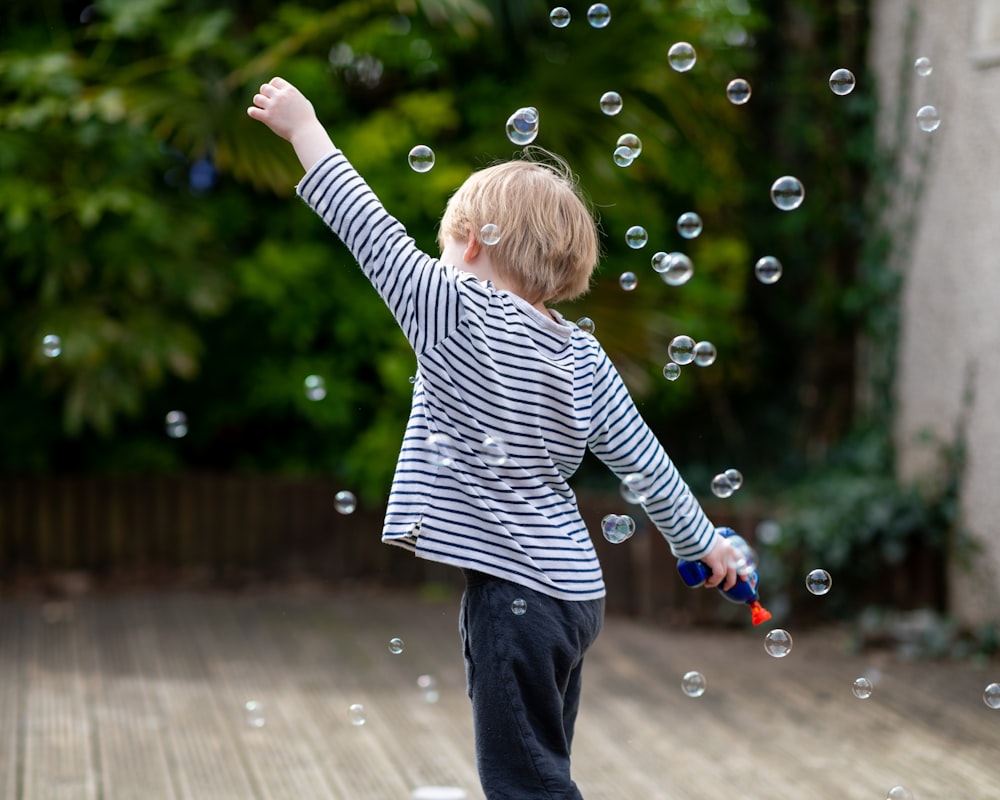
<point x="523" y="677"/>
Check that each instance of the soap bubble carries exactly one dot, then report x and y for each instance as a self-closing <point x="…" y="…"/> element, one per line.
<point x="862" y="688"/>
<point x="442" y="452"/>
<point x="611" y="103"/>
<point x="623" y="156"/>
<point x="51" y="346"/>
<point x="671" y="371"/>
<point x="693" y="684"/>
<point x="923" y="66"/>
<point x="176" y="424"/>
<point x="735" y="477"/>
<point x="254" y="714"/>
<point x="767" y="269"/>
<point x="395" y="645"/>
<point x="842" y="81"/>
<point x="559" y="17"/>
<point x="617" y="527"/>
<point x="493" y="451"/>
<point x="679" y="270"/>
<point x="660" y="261"/>
<point x="778" y="643"/>
<point x="421" y="158"/>
<point x="768" y="532"/>
<point x="632" y="142"/>
<point x="819" y="582"/>
<point x="636" y="237"/>
<point x="345" y="502"/>
<point x="787" y="193"/>
<point x="689" y="225"/>
<point x="928" y="118"/>
<point x="738" y="91"/>
<point x="428" y="688"/>
<point x="704" y="354"/>
<point x="490" y="234"/>
<point x="899" y="793"/>
<point x="519" y="606"/>
<point x="721" y="486"/>
<point x="991" y="695"/>
<point x="522" y="126"/>
<point x="681" y="349"/>
<point x="598" y="15"/>
<point x="633" y="488"/>
<point x="356" y="713"/>
<point x="681" y="56"/>
<point x="586" y="324"/>
<point x="315" y="387"/>
<point x="628" y="281"/>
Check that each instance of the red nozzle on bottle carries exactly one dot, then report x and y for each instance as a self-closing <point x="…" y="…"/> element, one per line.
<point x="758" y="613"/>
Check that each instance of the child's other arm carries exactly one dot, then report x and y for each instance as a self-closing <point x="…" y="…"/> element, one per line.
<point x="287" y="112"/>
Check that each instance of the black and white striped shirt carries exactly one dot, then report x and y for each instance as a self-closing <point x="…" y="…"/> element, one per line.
<point x="505" y="404"/>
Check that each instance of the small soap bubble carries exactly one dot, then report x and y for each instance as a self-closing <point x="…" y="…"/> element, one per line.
<point x="490" y="234"/>
<point x="586" y="324"/>
<point x="768" y="532"/>
<point x="632" y="142"/>
<point x="704" y="354"/>
<point x="493" y="452"/>
<point x="428" y="688"/>
<point x="628" y="281"/>
<point x="686" y="506"/>
<point x="356" y="713"/>
<point x="315" y="387"/>
<point x="254" y="714"/>
<point x="176" y="424"/>
<point x="722" y="487"/>
<point x="660" y="261"/>
<point x="522" y="126"/>
<point x="623" y="156"/>
<point x="842" y="81"/>
<point x="559" y="17"/>
<point x="679" y="270"/>
<point x="617" y="527"/>
<point x="735" y="478"/>
<point x="636" y="237"/>
<point x="899" y="793"/>
<point x="693" y="684"/>
<point x="923" y="66"/>
<point x="518" y="607"/>
<point x="611" y="103"/>
<point x="767" y="269"/>
<point x="681" y="56"/>
<point x="819" y="582"/>
<point x="681" y="350"/>
<point x="738" y="91"/>
<point x="991" y="695"/>
<point x="689" y="225"/>
<point x="345" y="502"/>
<point x="395" y="645"/>
<point x="442" y="452"/>
<point x="671" y="371"/>
<point x="787" y="193"/>
<point x="928" y="118"/>
<point x="634" y="488"/>
<point x="421" y="158"/>
<point x="598" y="15"/>
<point x="862" y="688"/>
<point x="51" y="346"/>
<point x="778" y="643"/>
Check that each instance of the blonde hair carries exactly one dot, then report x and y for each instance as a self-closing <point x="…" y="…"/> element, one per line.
<point x="548" y="247"/>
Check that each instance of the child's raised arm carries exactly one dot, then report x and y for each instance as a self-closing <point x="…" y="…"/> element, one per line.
<point x="287" y="112"/>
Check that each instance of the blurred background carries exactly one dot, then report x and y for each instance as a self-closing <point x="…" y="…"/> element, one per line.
<point x="192" y="366"/>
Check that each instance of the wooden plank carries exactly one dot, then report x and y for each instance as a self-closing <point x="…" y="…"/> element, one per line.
<point x="11" y="678"/>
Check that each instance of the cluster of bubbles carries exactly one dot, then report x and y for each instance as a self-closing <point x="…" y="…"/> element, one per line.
<point x="617" y="528"/>
<point x="345" y="502"/>
<point x="684" y="350"/>
<point x="522" y="125"/>
<point x="727" y="483"/>
<point x="627" y="149"/>
<point x="675" y="269"/>
<point x="598" y="16"/>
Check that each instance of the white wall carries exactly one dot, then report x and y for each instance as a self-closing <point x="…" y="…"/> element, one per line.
<point x="949" y="350"/>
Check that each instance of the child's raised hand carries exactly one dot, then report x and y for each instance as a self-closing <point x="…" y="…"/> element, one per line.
<point x="288" y="112"/>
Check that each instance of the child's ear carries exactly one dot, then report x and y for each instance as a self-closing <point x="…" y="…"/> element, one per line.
<point x="472" y="248"/>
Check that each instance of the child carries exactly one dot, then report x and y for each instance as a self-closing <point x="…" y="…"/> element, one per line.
<point x="507" y="399"/>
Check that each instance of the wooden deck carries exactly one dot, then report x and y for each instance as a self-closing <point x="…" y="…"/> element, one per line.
<point x="142" y="694"/>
